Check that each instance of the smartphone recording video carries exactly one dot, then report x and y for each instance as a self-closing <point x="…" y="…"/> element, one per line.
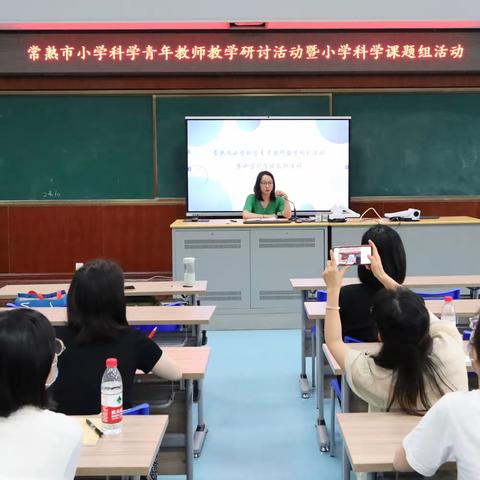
<point x="357" y="255"/>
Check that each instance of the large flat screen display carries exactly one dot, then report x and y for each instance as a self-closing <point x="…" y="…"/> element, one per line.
<point x="308" y="157"/>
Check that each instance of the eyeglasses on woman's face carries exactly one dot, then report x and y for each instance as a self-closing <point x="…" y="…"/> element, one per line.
<point x="269" y="183"/>
<point x="59" y="347"/>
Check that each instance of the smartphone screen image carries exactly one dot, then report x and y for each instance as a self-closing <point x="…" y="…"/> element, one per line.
<point x="354" y="255"/>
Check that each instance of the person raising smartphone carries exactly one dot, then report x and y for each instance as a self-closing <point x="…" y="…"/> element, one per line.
<point x="420" y="358"/>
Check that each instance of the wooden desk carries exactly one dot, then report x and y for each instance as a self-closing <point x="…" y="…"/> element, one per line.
<point x="463" y="308"/>
<point x="193" y="362"/>
<point x="371" y="439"/>
<point x="155" y="315"/>
<point x="144" y="288"/>
<point x="130" y="453"/>
<point x="410" y="282"/>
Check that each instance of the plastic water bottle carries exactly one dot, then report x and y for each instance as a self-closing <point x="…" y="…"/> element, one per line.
<point x="188" y="271"/>
<point x="112" y="398"/>
<point x="448" y="311"/>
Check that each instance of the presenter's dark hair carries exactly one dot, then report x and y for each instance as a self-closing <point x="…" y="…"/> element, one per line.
<point x="27" y="349"/>
<point x="391" y="251"/>
<point x="96" y="302"/>
<point x="403" y="323"/>
<point x="256" y="187"/>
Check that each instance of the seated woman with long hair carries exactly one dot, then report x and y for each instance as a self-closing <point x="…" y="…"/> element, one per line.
<point x="420" y="359"/>
<point x="266" y="201"/>
<point x="35" y="443"/>
<point x="449" y="431"/>
<point x="97" y="329"/>
<point x="356" y="300"/>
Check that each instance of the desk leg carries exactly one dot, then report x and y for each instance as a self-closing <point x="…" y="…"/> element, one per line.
<point x="345" y="409"/>
<point x="322" y="431"/>
<point x="202" y="430"/>
<point x="474" y="292"/>
<point x="304" y="386"/>
<point x="189" y="440"/>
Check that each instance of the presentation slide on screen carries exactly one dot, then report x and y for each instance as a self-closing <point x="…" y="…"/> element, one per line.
<point x="309" y="159"/>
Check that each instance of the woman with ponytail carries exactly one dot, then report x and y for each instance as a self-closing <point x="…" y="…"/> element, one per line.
<point x="420" y="358"/>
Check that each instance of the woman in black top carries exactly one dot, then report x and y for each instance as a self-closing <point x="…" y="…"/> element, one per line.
<point x="97" y="329"/>
<point x="355" y="300"/>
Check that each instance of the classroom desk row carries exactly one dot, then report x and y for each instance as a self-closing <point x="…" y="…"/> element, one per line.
<point x="363" y="462"/>
<point x="192" y="360"/>
<point x="132" y="289"/>
<point x="133" y="451"/>
<point x="194" y="316"/>
<point x="371" y="439"/>
<point x="305" y="285"/>
<point x="315" y="311"/>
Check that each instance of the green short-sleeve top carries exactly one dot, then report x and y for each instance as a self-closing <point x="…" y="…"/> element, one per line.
<point x="274" y="207"/>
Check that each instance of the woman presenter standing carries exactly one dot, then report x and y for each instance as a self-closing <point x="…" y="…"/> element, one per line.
<point x="266" y="201"/>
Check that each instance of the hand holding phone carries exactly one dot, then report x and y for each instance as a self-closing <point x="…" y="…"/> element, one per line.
<point x="352" y="255"/>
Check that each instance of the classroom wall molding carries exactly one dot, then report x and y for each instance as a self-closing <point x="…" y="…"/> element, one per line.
<point x="154" y="84"/>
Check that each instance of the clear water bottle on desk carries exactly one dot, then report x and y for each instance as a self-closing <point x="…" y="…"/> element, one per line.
<point x="448" y="311"/>
<point x="188" y="271"/>
<point x="112" y="398"/>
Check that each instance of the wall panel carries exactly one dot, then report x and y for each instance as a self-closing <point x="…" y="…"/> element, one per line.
<point x="139" y="237"/>
<point x="48" y="239"/>
<point x="4" y="239"/>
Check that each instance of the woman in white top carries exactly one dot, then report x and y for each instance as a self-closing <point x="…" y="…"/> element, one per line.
<point x="449" y="431"/>
<point x="420" y="358"/>
<point x="35" y="443"/>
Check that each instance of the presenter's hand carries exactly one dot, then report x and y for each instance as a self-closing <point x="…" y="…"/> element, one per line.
<point x="332" y="275"/>
<point x="280" y="193"/>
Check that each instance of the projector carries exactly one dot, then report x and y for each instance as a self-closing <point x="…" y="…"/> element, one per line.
<point x="410" y="215"/>
<point x="339" y="213"/>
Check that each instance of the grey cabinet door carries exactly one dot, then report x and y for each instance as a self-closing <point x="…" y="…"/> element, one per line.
<point x="279" y="254"/>
<point x="222" y="257"/>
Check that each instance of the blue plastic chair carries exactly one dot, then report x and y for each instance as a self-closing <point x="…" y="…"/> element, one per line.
<point x="336" y="391"/>
<point x="141" y="409"/>
<point x="455" y="294"/>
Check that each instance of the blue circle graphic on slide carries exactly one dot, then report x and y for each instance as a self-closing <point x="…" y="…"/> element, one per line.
<point x="202" y="132"/>
<point x="335" y="131"/>
<point x="248" y="125"/>
<point x="207" y="196"/>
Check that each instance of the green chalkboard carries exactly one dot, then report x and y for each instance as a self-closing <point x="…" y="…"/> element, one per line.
<point x="74" y="147"/>
<point x="413" y="144"/>
<point x="64" y="147"/>
<point x="171" y="113"/>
